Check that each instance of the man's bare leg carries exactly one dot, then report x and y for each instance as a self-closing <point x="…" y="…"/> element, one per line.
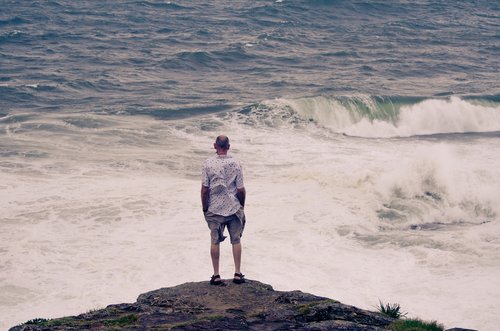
<point x="237" y="257"/>
<point x="215" y="253"/>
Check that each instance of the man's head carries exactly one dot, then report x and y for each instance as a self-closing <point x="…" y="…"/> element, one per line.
<point x="222" y="144"/>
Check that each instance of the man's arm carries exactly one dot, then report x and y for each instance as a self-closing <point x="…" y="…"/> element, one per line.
<point x="204" y="197"/>
<point x="241" y="195"/>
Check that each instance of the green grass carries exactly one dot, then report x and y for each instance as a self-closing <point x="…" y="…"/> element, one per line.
<point x="36" y="321"/>
<point x="415" y="325"/>
<point x="391" y="310"/>
<point x="123" y="321"/>
<point x="63" y="321"/>
<point x="126" y="320"/>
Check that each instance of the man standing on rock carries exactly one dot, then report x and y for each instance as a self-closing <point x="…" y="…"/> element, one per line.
<point x="223" y="198"/>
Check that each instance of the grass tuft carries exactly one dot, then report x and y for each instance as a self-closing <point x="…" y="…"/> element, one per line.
<point x="391" y="310"/>
<point x="36" y="321"/>
<point x="415" y="325"/>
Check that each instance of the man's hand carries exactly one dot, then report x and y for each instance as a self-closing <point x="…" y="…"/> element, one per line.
<point x="241" y="195"/>
<point x="205" y="194"/>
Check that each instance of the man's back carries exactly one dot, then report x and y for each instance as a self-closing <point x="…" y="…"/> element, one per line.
<point x="223" y="175"/>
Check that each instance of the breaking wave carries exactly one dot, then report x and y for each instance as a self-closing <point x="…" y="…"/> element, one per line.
<point x="380" y="117"/>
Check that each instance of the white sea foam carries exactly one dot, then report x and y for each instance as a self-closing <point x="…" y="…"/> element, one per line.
<point x="431" y="116"/>
<point x="100" y="213"/>
<point x="436" y="186"/>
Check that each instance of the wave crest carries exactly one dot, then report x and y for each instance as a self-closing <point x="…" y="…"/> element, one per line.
<point x="379" y="117"/>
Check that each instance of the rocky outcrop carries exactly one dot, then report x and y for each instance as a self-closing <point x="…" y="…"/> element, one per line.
<point x="200" y="306"/>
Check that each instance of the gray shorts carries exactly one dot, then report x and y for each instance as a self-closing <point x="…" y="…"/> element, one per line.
<point x="235" y="224"/>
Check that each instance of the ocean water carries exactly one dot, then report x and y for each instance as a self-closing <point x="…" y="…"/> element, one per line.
<point x="369" y="132"/>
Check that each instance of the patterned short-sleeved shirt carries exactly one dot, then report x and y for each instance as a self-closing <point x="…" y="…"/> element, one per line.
<point x="223" y="175"/>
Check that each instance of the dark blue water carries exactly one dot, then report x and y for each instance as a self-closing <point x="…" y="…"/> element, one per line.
<point x="184" y="58"/>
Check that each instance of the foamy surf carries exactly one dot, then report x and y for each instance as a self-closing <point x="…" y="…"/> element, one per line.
<point x="376" y="117"/>
<point x="109" y="208"/>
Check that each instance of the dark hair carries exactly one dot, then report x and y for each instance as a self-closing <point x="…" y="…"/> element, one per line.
<point x="222" y="142"/>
